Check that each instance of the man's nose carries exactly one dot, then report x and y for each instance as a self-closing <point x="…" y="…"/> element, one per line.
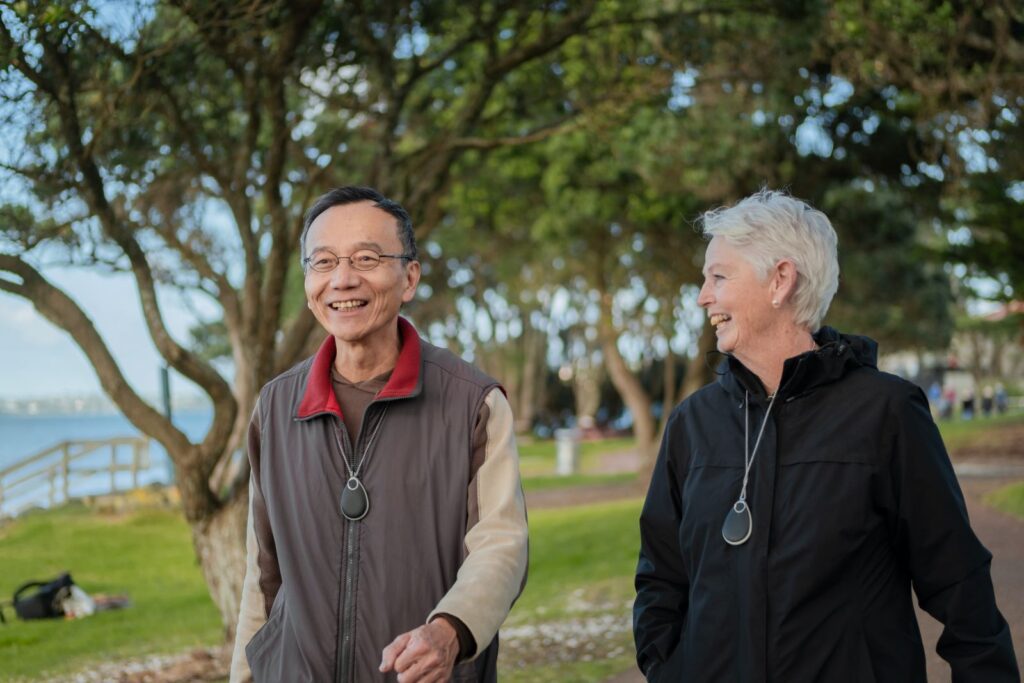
<point x="344" y="275"/>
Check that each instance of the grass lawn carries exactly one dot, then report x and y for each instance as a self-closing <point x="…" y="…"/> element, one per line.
<point x="555" y="481"/>
<point x="147" y="555"/>
<point x="570" y="625"/>
<point x="1009" y="499"/>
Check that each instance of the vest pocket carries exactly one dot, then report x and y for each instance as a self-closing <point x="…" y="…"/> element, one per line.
<point x="257" y="650"/>
<point x="273" y="653"/>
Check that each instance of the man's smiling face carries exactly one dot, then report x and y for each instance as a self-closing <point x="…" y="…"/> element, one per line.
<point x="355" y="306"/>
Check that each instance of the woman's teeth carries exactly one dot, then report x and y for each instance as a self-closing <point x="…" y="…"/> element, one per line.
<point x="719" y="318"/>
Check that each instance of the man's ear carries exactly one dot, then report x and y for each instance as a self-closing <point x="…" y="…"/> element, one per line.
<point x="412" y="279"/>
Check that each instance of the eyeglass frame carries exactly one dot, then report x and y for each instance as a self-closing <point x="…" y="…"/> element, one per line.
<point x="307" y="262"/>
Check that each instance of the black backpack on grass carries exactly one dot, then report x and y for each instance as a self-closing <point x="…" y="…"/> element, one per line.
<point x="42" y="600"/>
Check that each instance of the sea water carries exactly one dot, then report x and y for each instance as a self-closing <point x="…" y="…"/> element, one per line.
<point x="22" y="436"/>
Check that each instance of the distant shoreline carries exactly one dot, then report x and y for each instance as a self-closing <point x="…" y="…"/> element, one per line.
<point x="86" y="406"/>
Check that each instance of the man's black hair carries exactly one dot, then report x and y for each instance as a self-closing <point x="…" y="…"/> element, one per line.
<point x="351" y="194"/>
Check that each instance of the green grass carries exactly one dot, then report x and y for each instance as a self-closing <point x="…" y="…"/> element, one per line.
<point x="581" y="568"/>
<point x="537" y="458"/>
<point x="958" y="434"/>
<point x="582" y="561"/>
<point x="1009" y="499"/>
<point x="555" y="481"/>
<point x="147" y="555"/>
<point x="575" y="547"/>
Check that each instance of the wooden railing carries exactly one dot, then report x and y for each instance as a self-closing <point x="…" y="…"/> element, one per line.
<point x="50" y="473"/>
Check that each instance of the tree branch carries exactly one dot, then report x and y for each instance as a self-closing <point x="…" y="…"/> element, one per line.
<point x="63" y="312"/>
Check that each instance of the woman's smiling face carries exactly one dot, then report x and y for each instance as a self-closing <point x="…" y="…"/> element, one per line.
<point x="738" y="302"/>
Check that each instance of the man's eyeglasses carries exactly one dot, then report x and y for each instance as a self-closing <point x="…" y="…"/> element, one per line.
<point x="364" y="259"/>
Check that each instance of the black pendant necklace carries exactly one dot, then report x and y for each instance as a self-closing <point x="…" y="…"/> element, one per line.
<point x="738" y="524"/>
<point x="355" y="501"/>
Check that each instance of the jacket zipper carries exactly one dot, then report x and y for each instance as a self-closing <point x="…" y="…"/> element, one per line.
<point x="347" y="600"/>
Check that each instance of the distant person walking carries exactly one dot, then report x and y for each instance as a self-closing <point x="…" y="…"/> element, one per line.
<point x="967" y="405"/>
<point x="1002" y="400"/>
<point x="796" y="500"/>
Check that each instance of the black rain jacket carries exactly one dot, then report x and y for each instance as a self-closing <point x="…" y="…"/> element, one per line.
<point x="853" y="500"/>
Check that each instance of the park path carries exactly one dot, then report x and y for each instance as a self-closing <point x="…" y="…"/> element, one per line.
<point x="1003" y="535"/>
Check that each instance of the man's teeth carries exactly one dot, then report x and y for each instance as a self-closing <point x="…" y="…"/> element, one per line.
<point x="719" y="318"/>
<point x="346" y="305"/>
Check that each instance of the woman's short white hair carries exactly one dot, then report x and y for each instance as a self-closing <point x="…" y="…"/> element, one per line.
<point x="770" y="226"/>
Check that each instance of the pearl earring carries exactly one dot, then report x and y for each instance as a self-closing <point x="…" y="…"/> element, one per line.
<point x="775" y="303"/>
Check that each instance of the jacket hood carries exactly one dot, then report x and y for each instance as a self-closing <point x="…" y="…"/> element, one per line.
<point x="836" y="355"/>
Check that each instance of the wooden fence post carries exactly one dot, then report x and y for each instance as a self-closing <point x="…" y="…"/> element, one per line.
<point x="65" y="462"/>
<point x="135" y="464"/>
<point x="113" y="468"/>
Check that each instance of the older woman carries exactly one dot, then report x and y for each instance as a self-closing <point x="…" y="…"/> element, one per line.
<point x="796" y="500"/>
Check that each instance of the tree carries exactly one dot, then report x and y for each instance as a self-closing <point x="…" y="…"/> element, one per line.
<point x="130" y="131"/>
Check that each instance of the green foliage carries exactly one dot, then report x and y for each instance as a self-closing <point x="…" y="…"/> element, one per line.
<point x="996" y="244"/>
<point x="891" y="288"/>
<point x="145" y="555"/>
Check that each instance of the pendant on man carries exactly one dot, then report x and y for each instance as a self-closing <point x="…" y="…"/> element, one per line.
<point x="738" y="524"/>
<point x="354" y="501"/>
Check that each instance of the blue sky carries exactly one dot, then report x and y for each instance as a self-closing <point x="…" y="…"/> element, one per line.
<point x="39" y="360"/>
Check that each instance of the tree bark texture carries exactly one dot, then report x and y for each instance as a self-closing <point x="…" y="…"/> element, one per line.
<point x="219" y="542"/>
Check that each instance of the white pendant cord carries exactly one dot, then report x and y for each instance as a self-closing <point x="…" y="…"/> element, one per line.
<point x="748" y="457"/>
<point x="354" y="474"/>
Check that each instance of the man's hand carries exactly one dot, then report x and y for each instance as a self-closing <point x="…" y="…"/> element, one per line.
<point x="424" y="655"/>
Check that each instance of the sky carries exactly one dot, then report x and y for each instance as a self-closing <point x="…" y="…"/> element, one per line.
<point x="39" y="360"/>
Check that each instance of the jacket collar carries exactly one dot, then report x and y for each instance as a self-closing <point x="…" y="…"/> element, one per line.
<point x="836" y="355"/>
<point x="405" y="381"/>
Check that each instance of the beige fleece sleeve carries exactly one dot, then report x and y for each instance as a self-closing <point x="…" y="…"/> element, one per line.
<point x="252" y="613"/>
<point x="494" y="571"/>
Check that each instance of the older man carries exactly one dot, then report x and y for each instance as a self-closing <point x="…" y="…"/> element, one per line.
<point x="387" y="530"/>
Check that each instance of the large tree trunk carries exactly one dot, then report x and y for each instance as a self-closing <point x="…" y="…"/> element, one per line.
<point x="532" y="379"/>
<point x="586" y="388"/>
<point x="219" y="541"/>
<point x="633" y="395"/>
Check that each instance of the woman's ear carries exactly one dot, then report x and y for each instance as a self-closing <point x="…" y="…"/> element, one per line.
<point x="783" y="282"/>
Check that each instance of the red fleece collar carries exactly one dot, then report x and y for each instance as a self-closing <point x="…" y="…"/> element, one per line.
<point x="319" y="397"/>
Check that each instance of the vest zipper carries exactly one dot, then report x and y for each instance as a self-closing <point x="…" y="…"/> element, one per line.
<point x="347" y="600"/>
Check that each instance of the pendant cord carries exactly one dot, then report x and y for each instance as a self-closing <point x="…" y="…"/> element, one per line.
<point x="748" y="457"/>
<point x="354" y="474"/>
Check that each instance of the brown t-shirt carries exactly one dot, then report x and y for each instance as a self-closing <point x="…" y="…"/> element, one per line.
<point x="353" y="397"/>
